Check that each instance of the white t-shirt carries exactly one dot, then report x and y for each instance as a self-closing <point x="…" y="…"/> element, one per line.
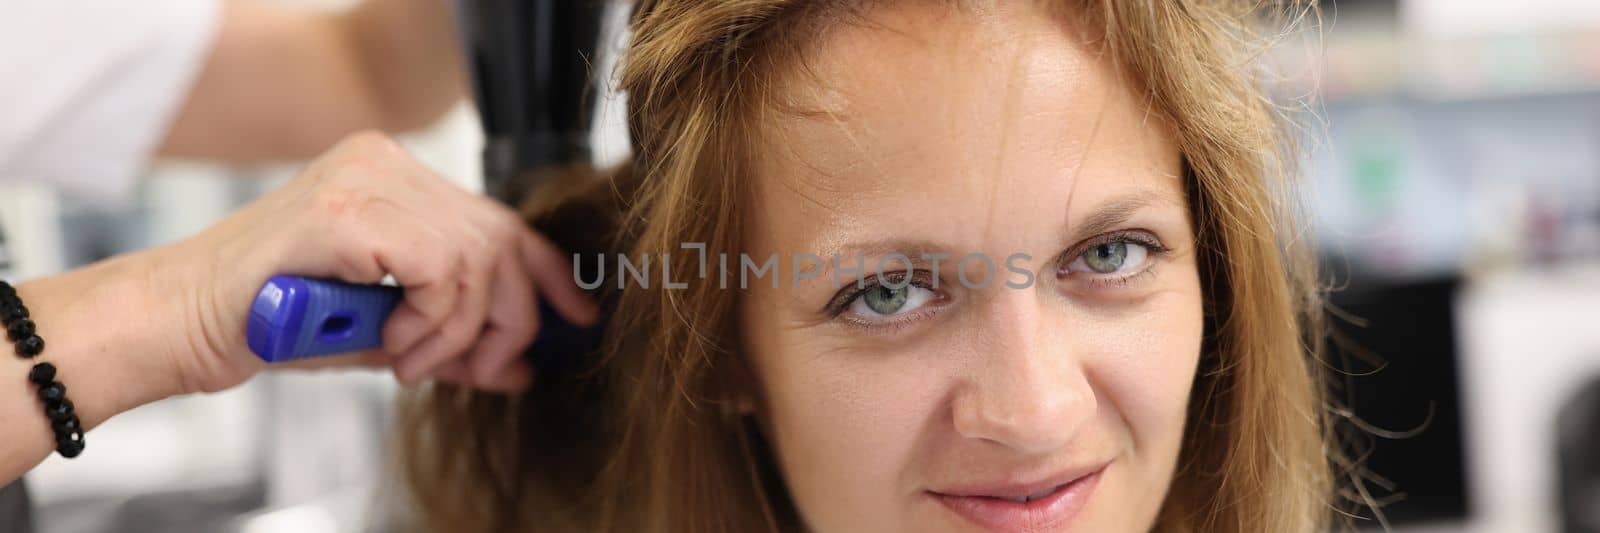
<point x="88" y="88"/>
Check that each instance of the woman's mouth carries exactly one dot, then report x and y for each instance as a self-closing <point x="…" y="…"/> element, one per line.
<point x="1049" y="505"/>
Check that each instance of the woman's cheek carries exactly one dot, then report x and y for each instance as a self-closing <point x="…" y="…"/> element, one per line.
<point x="1147" y="366"/>
<point x="846" y="428"/>
<point x="1144" y="369"/>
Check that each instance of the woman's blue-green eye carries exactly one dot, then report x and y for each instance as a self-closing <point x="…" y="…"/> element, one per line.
<point x="1110" y="258"/>
<point x="1106" y="258"/>
<point x="886" y="300"/>
<point x="883" y="300"/>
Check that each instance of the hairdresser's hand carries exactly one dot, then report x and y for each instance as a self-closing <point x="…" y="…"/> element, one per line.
<point x="470" y="267"/>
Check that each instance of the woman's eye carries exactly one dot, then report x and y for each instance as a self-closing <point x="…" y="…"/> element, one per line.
<point x="886" y="301"/>
<point x="1112" y="257"/>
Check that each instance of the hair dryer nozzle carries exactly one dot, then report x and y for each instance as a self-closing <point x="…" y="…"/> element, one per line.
<point x="530" y="62"/>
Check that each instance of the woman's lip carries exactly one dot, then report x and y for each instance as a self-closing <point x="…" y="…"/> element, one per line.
<point x="989" y="509"/>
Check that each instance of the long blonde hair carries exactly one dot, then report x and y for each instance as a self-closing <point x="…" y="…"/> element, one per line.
<point x="642" y="438"/>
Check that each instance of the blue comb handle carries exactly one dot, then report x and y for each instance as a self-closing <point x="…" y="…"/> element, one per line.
<point x="295" y="317"/>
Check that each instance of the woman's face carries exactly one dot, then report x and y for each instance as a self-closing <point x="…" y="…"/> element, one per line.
<point x="1058" y="406"/>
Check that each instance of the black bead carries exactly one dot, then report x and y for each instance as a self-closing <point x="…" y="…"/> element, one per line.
<point x="42" y="374"/>
<point x="12" y="309"/>
<point x="20" y="329"/>
<point x="71" y="444"/>
<point x="71" y="449"/>
<point x="30" y="346"/>
<point x="71" y="436"/>
<point x="54" y="392"/>
<point x="65" y="426"/>
<point x="58" y="411"/>
<point x="7" y="291"/>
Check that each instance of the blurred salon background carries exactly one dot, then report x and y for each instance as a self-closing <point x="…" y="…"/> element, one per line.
<point x="1455" y="152"/>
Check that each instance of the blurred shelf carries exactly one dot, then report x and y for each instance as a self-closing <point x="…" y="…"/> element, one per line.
<point x="1364" y="56"/>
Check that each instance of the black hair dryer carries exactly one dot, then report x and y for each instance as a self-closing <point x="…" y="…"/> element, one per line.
<point x="530" y="62"/>
<point x="531" y="67"/>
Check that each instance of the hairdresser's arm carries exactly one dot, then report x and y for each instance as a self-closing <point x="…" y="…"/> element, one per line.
<point x="285" y="82"/>
<point x="170" y="321"/>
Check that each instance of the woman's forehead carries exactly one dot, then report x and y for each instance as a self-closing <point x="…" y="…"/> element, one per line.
<point x="983" y="116"/>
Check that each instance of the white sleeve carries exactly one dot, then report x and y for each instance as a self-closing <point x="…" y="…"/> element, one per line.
<point x="88" y="88"/>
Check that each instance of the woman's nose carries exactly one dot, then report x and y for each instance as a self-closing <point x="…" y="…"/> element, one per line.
<point x="1027" y="389"/>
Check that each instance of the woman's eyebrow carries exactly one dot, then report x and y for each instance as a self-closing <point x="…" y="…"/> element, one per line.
<point x="912" y="249"/>
<point x="1117" y="211"/>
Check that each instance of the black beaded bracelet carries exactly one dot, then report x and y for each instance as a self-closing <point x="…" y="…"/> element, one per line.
<point x="23" y="334"/>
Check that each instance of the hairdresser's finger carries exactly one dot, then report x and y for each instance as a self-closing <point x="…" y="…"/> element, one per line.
<point x="512" y="379"/>
<point x="408" y="325"/>
<point x="390" y="229"/>
<point x="385" y="237"/>
<point x="462" y="328"/>
<point x="444" y="345"/>
<point x="405" y="328"/>
<point x="551" y="270"/>
<point x="421" y="314"/>
<point x="415" y="365"/>
<point x="512" y="323"/>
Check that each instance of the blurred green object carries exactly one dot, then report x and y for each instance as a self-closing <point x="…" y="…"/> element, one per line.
<point x="1376" y="174"/>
